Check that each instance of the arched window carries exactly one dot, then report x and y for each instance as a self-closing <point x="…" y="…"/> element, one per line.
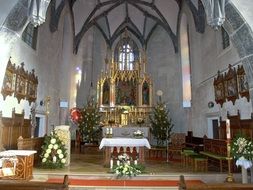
<point x="185" y="60"/>
<point x="126" y="53"/>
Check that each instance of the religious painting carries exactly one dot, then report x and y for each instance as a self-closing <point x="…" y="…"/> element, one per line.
<point x="230" y="81"/>
<point x="126" y="93"/>
<point x="219" y="90"/>
<point x="32" y="83"/>
<point x="9" y="80"/>
<point x="145" y="93"/>
<point x="21" y="83"/>
<point x="243" y="86"/>
<point x="106" y="93"/>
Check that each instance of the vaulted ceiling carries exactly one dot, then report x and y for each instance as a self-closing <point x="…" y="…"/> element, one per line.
<point x="112" y="17"/>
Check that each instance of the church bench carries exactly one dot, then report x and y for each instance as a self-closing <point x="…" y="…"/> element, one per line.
<point x="215" y="150"/>
<point x="213" y="186"/>
<point x="33" y="185"/>
<point x="192" y="142"/>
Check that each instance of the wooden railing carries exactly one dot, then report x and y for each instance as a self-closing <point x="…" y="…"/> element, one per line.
<point x="213" y="186"/>
<point x="33" y="185"/>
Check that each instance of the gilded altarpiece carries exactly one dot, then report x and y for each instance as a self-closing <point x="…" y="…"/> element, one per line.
<point x="124" y="96"/>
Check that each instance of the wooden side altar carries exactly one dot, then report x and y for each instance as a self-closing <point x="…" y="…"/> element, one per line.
<point x="123" y="145"/>
<point x="24" y="166"/>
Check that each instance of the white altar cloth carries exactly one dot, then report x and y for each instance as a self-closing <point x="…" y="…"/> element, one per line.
<point x="17" y="153"/>
<point x="124" y="142"/>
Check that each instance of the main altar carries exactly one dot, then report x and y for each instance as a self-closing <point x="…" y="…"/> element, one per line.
<point x="124" y="87"/>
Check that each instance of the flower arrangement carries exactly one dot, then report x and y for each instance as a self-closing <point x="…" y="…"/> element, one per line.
<point x="138" y="134"/>
<point x="124" y="168"/>
<point x="242" y="148"/>
<point x="54" y="153"/>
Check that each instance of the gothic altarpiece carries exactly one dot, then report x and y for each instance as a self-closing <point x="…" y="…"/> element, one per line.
<point x="125" y="89"/>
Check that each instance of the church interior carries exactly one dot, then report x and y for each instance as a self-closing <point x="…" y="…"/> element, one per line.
<point x="162" y="87"/>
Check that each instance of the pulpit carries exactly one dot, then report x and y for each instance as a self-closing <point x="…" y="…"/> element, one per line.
<point x="24" y="165"/>
<point x="123" y="145"/>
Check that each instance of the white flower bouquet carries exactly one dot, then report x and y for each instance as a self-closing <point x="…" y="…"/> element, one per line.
<point x="242" y="148"/>
<point x="124" y="168"/>
<point x="138" y="134"/>
<point x="54" y="153"/>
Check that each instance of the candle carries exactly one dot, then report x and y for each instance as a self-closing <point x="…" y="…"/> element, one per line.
<point x="117" y="162"/>
<point x="135" y="162"/>
<point x="110" y="131"/>
<point x="107" y="131"/>
<point x="111" y="164"/>
<point x="54" y="159"/>
<point x="228" y="128"/>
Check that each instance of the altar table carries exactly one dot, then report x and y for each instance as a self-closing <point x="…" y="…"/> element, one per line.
<point x="24" y="166"/>
<point x="110" y="143"/>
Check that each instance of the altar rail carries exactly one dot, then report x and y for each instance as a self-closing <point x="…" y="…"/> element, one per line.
<point x="33" y="185"/>
<point x="14" y="127"/>
<point x="213" y="186"/>
<point x="237" y="125"/>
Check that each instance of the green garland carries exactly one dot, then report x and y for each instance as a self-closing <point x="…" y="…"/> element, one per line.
<point x="54" y="153"/>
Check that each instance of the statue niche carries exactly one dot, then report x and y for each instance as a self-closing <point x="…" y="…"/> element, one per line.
<point x="106" y="93"/>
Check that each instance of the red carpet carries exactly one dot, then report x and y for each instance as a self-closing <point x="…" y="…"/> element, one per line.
<point x="144" y="183"/>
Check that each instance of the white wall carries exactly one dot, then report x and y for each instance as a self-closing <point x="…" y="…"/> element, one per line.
<point x="207" y="57"/>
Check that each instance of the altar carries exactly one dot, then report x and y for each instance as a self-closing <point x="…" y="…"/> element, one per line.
<point x="22" y="168"/>
<point x="132" y="146"/>
<point x="126" y="132"/>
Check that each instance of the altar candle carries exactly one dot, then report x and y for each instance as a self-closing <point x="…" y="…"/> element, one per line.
<point x="228" y="128"/>
<point x="110" y="131"/>
<point x="135" y="162"/>
<point x="107" y="131"/>
<point x="111" y="164"/>
<point x="54" y="159"/>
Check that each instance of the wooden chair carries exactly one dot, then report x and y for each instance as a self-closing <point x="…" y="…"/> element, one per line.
<point x="176" y="145"/>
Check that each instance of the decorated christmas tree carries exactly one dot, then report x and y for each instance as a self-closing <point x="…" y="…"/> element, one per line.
<point x="54" y="153"/>
<point x="88" y="123"/>
<point x="161" y="124"/>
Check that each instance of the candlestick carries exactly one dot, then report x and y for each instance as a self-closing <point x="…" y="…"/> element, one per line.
<point x="54" y="159"/>
<point x="111" y="164"/>
<point x="228" y="129"/>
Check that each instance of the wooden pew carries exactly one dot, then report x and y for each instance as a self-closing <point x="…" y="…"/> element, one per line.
<point x="213" y="186"/>
<point x="33" y="185"/>
<point x="195" y="143"/>
<point x="215" y="150"/>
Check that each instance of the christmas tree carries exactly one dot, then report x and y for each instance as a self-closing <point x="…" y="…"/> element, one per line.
<point x="161" y="124"/>
<point x="89" y="122"/>
<point x="54" y="153"/>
